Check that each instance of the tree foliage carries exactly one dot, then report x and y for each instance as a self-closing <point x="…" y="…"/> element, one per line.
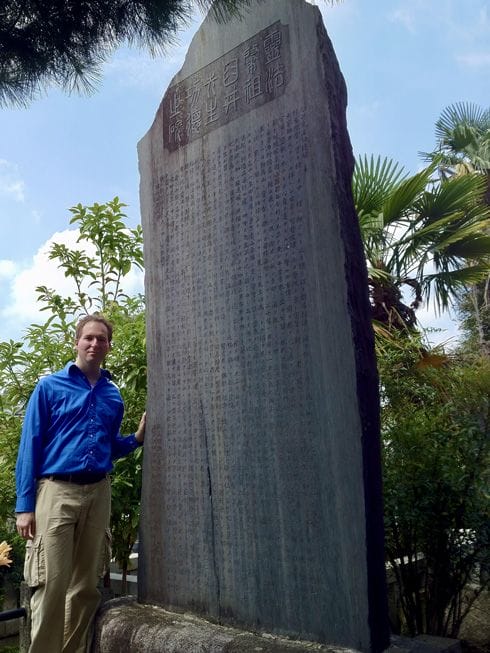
<point x="110" y="251"/>
<point x="436" y="455"/>
<point x="428" y="232"/>
<point x="463" y="147"/>
<point x="65" y="42"/>
<point x="462" y="140"/>
<point x="425" y="235"/>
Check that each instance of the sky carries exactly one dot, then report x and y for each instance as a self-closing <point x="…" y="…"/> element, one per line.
<point x="404" y="61"/>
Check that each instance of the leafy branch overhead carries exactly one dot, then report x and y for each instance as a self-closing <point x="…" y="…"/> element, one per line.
<point x="65" y="42"/>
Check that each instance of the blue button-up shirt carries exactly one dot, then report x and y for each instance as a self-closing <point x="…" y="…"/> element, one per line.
<point x="69" y="426"/>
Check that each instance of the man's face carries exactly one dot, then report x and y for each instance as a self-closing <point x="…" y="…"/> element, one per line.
<point x="93" y="343"/>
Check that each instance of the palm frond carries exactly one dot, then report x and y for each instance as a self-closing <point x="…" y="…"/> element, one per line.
<point x="452" y="195"/>
<point x="459" y="114"/>
<point x="379" y="274"/>
<point x="475" y="247"/>
<point x="446" y="286"/>
<point x="463" y="134"/>
<point x="402" y="199"/>
<point x="373" y="181"/>
<point x="371" y="225"/>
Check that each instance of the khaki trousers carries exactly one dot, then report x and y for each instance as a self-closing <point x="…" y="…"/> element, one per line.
<point x="65" y="561"/>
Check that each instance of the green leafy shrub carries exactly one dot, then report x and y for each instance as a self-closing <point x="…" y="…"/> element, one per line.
<point x="436" y="454"/>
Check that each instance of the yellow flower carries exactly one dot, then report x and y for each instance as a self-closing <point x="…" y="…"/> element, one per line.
<point x="4" y="554"/>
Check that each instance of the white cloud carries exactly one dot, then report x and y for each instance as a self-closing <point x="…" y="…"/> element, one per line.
<point x="369" y="110"/>
<point x="463" y="24"/>
<point x="404" y="17"/>
<point x="36" y="216"/>
<point x="474" y="59"/>
<point x="136" y="69"/>
<point x="474" y="27"/>
<point x="41" y="271"/>
<point x="22" y="307"/>
<point x="11" y="184"/>
<point x="7" y="269"/>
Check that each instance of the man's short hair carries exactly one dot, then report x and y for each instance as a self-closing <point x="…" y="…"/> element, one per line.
<point x="95" y="317"/>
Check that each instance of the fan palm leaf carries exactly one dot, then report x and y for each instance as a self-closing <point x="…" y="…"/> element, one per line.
<point x="463" y="139"/>
<point x="373" y="182"/>
<point x="446" y="286"/>
<point x="419" y="232"/>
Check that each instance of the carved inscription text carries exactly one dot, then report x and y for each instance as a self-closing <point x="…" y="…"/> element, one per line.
<point x="255" y="72"/>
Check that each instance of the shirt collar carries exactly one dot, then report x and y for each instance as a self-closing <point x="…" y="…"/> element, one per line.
<point x="71" y="368"/>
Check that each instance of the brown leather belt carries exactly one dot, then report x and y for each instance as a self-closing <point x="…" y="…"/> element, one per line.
<point x="80" y="478"/>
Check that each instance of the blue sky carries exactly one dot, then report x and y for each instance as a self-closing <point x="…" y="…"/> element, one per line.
<point x="404" y="61"/>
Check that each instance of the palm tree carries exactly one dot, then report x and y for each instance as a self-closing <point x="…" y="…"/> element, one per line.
<point x="463" y="141"/>
<point x="463" y="147"/>
<point x="425" y="234"/>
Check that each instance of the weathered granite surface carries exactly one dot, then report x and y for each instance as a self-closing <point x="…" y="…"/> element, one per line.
<point x="261" y="501"/>
<point x="125" y="625"/>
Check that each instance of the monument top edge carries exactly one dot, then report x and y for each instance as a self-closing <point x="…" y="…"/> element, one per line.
<point x="213" y="38"/>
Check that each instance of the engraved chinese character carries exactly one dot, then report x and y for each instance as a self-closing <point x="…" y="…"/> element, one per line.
<point x="175" y="103"/>
<point x="231" y="99"/>
<point x="210" y="85"/>
<point x="194" y="91"/>
<point x="211" y="110"/>
<point x="272" y="46"/>
<point x="230" y="72"/>
<point x="251" y="59"/>
<point x="194" y="123"/>
<point x="253" y="88"/>
<point x="176" y="131"/>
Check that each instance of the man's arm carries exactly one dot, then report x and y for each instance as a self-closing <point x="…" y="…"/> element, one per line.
<point x="123" y="445"/>
<point x="26" y="525"/>
<point x="30" y="453"/>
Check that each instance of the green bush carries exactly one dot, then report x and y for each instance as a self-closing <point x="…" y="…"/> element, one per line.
<point x="436" y="454"/>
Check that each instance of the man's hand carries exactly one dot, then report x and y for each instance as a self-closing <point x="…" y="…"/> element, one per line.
<point x="140" y="433"/>
<point x="26" y="525"/>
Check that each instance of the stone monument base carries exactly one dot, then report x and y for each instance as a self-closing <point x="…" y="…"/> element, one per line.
<point x="126" y="625"/>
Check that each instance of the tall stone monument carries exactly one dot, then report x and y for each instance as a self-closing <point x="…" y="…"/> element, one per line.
<point x="262" y="496"/>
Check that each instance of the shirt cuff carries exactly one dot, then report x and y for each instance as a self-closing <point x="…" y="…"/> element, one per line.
<point x="25" y="504"/>
<point x="136" y="443"/>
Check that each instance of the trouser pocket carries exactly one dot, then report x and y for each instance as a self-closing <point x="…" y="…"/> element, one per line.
<point x="35" y="564"/>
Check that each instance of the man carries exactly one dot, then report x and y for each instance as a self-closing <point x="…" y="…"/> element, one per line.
<point x="69" y="438"/>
